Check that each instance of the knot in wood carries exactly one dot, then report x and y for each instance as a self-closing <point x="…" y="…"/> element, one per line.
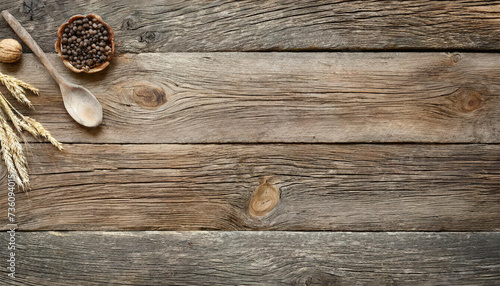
<point x="129" y="24"/>
<point x="470" y="101"/>
<point x="149" y="37"/>
<point x="264" y="199"/>
<point x="149" y="95"/>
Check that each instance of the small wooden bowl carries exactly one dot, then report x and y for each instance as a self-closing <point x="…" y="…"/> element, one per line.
<point x="67" y="63"/>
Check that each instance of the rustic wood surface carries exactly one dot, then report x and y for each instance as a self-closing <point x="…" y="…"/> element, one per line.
<point x="273" y="25"/>
<point x="379" y="117"/>
<point x="281" y="97"/>
<point x="322" y="187"/>
<point x="256" y="258"/>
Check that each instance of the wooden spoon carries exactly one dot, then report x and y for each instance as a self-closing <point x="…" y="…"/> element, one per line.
<point x="80" y="103"/>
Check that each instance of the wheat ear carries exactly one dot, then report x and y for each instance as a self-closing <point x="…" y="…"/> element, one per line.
<point x="15" y="86"/>
<point x="17" y="154"/>
<point x="36" y="129"/>
<point x="8" y="110"/>
<point x="7" y="152"/>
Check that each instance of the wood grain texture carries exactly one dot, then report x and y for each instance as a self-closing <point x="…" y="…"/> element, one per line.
<point x="216" y="140"/>
<point x="280" y="97"/>
<point x="255" y="258"/>
<point x="367" y="187"/>
<point x="277" y="25"/>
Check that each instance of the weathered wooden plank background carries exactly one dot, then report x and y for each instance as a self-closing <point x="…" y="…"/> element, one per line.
<point x="274" y="25"/>
<point x="379" y="117"/>
<point x="258" y="258"/>
<point x="282" y="97"/>
<point x="323" y="187"/>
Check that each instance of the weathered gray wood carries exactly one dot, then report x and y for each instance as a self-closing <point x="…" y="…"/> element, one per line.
<point x="201" y="187"/>
<point x="255" y="258"/>
<point x="101" y="182"/>
<point x="166" y="26"/>
<point x="281" y="97"/>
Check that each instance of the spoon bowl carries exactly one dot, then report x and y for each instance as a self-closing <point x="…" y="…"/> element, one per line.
<point x="80" y="103"/>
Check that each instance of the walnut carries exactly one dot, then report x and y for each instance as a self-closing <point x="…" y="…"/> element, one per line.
<point x="10" y="51"/>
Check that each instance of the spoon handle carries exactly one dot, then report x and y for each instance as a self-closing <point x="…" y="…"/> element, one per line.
<point x="26" y="37"/>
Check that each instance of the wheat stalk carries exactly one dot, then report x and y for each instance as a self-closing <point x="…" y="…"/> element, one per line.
<point x="17" y="154"/>
<point x="11" y="148"/>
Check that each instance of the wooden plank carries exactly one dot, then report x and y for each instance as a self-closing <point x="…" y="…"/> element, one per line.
<point x="276" y="25"/>
<point x="365" y="187"/>
<point x="254" y="258"/>
<point x="281" y="97"/>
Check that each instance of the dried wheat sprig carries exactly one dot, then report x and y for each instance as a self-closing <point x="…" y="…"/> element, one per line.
<point x="7" y="153"/>
<point x="26" y="85"/>
<point x="7" y="108"/>
<point x="17" y="153"/>
<point x="11" y="148"/>
<point x="15" y="86"/>
<point x="36" y="126"/>
<point x="19" y="82"/>
<point x="28" y="127"/>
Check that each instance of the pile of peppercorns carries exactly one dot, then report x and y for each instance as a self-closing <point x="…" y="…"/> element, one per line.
<point x="85" y="43"/>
